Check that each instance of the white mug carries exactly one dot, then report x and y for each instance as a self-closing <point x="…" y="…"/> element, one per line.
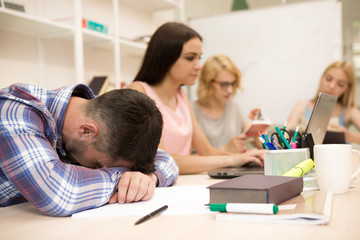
<point x="334" y="166"/>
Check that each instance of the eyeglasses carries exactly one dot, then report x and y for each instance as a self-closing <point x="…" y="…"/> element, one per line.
<point x="226" y="85"/>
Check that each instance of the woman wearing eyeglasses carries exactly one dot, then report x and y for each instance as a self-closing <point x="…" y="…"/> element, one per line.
<point x="172" y="59"/>
<point x="219" y="117"/>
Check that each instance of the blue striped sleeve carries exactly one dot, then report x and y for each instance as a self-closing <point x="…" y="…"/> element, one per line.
<point x="31" y="165"/>
<point x="166" y="169"/>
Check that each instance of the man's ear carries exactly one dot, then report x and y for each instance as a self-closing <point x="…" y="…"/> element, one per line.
<point x="88" y="130"/>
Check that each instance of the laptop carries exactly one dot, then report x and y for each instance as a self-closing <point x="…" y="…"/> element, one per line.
<point x="99" y="84"/>
<point x="317" y="126"/>
<point x="332" y="137"/>
<point x="232" y="172"/>
<point x="320" y="117"/>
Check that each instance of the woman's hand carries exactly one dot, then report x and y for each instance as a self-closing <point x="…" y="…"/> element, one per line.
<point x="254" y="114"/>
<point x="252" y="156"/>
<point x="236" y="144"/>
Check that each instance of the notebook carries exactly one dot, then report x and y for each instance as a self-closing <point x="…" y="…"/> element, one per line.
<point x="317" y="126"/>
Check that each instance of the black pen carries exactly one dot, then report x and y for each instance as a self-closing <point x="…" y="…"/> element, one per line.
<point x="152" y="214"/>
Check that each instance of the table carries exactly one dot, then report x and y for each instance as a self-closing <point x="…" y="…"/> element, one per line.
<point x="23" y="221"/>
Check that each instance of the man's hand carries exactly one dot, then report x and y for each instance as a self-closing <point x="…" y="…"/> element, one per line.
<point x="134" y="187"/>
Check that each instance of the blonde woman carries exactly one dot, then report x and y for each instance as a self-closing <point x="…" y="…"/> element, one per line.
<point x="219" y="117"/>
<point x="339" y="80"/>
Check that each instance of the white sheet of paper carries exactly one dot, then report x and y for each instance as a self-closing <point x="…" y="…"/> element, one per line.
<point x="181" y="200"/>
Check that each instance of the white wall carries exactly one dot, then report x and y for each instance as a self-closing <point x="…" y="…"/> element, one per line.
<point x="204" y="8"/>
<point x="281" y="51"/>
<point x="49" y="61"/>
<point x="17" y="58"/>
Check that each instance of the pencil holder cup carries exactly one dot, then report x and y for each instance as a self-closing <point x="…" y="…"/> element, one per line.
<point x="278" y="162"/>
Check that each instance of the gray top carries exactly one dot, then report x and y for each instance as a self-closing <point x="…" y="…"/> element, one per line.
<point x="219" y="131"/>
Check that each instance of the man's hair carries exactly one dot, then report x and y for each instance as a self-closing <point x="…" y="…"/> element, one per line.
<point x="163" y="50"/>
<point x="130" y="127"/>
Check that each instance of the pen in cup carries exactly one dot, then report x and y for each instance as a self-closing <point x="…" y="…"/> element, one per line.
<point x="267" y="136"/>
<point x="284" y="127"/>
<point x="261" y="138"/>
<point x="276" y="144"/>
<point x="295" y="134"/>
<point x="268" y="145"/>
<point x="263" y="143"/>
<point x="282" y="137"/>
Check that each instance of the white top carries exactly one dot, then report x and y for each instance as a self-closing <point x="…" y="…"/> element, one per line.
<point x="219" y="131"/>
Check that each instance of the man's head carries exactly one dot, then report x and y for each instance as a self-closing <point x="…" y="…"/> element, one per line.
<point x="126" y="133"/>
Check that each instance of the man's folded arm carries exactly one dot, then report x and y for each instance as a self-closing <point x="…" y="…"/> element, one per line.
<point x="33" y="167"/>
<point x="166" y="169"/>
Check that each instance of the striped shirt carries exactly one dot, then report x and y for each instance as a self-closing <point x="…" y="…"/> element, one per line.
<point x="33" y="165"/>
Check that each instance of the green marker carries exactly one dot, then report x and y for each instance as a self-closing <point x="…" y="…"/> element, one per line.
<point x="295" y="134"/>
<point x="257" y="208"/>
<point x="282" y="137"/>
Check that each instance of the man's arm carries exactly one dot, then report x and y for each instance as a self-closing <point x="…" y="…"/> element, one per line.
<point x="60" y="189"/>
<point x="31" y="168"/>
<point x="136" y="186"/>
<point x="166" y="169"/>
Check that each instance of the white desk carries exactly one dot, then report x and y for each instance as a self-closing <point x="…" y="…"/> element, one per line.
<point x="23" y="221"/>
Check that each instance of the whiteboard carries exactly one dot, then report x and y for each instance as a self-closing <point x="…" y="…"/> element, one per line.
<point x="281" y="51"/>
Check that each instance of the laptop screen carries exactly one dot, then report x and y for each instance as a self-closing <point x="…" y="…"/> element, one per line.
<point x="98" y="84"/>
<point x="320" y="117"/>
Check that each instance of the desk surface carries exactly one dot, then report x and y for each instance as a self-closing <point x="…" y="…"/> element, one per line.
<point x="23" y="221"/>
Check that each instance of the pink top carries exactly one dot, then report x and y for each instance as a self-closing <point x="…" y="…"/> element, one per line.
<point x="177" y="132"/>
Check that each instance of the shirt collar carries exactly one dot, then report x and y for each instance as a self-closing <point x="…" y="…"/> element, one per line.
<point x="59" y="106"/>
